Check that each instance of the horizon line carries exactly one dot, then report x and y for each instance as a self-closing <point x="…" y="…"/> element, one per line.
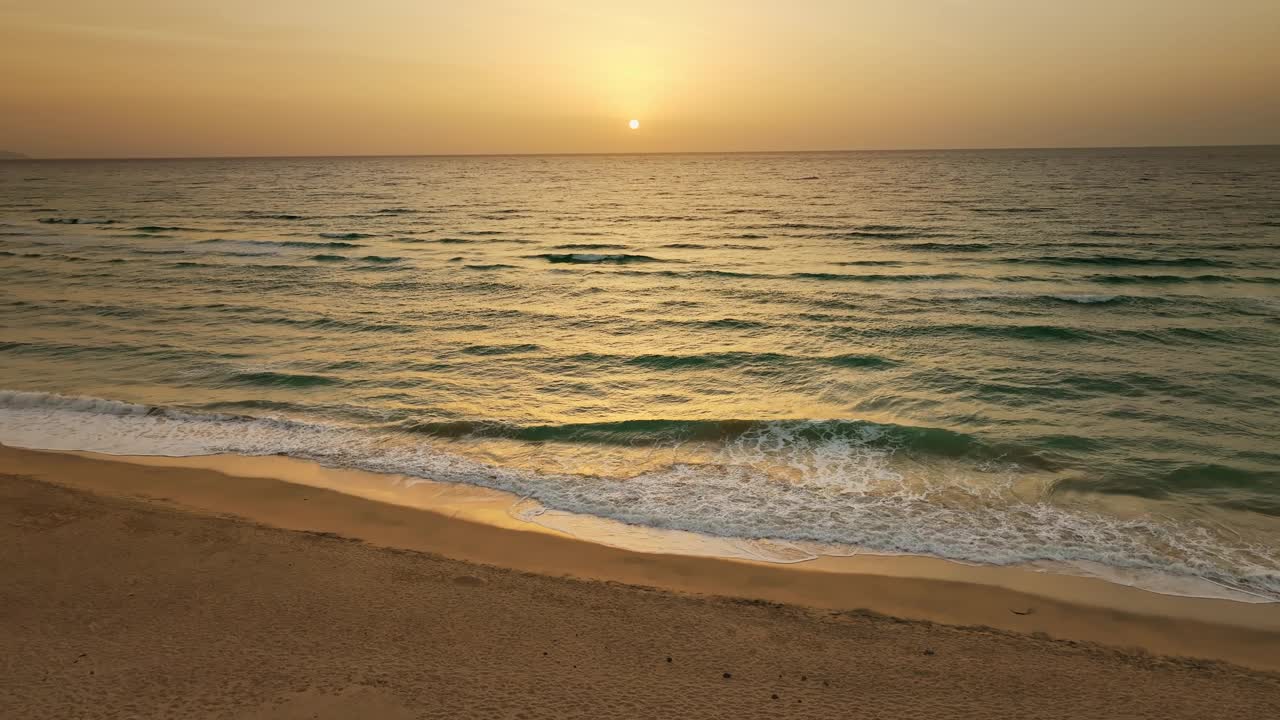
<point x="1009" y="148"/>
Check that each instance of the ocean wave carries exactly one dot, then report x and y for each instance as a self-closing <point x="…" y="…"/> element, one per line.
<point x="887" y="232"/>
<point x="592" y="258"/>
<point x="345" y="235"/>
<point x="271" y="216"/>
<point x="282" y="243"/>
<point x="1011" y="210"/>
<point x="592" y="246"/>
<point x="1177" y="279"/>
<point x="1124" y="234"/>
<point x="500" y="349"/>
<point x="725" y="360"/>
<point x="701" y="274"/>
<point x="796" y="226"/>
<point x="944" y="247"/>
<point x="237" y="266"/>
<point x="1255" y="491"/>
<point x="719" y="324"/>
<point x="882" y="488"/>
<point x="988" y="330"/>
<point x="878" y="277"/>
<point x="281" y="379"/>
<point x="76" y="221"/>
<point x="1086" y="298"/>
<point x="870" y="263"/>
<point x="57" y="256"/>
<point x="250" y="315"/>
<point x="1183" y="303"/>
<point x="654" y="218"/>
<point x="244" y="253"/>
<point x="1120" y="260"/>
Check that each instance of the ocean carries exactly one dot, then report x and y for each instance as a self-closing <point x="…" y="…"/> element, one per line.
<point x="1053" y="358"/>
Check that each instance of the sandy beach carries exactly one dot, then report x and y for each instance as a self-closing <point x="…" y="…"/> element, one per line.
<point x="122" y="601"/>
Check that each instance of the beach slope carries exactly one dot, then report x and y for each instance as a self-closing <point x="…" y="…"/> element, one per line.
<point x="116" y="606"/>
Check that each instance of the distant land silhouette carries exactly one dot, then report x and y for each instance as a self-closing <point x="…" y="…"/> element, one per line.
<point x="8" y="155"/>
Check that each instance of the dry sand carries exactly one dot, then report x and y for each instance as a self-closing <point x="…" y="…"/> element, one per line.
<point x="135" y="591"/>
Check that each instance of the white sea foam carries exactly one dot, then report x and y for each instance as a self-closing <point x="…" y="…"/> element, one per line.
<point x="780" y="482"/>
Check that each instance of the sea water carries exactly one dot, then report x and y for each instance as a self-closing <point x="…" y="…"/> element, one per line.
<point x="998" y="357"/>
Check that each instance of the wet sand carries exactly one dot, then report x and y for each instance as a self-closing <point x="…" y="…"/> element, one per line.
<point x="147" y="591"/>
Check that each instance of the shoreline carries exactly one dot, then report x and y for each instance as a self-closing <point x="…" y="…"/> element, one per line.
<point x="1037" y="522"/>
<point x="497" y="508"/>
<point x="465" y="526"/>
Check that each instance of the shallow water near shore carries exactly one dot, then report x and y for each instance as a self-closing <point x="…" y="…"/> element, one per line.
<point x="1010" y="357"/>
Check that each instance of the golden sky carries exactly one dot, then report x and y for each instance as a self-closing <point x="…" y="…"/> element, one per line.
<point x="128" y="78"/>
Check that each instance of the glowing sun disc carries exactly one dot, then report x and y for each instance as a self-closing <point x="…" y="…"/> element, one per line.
<point x="634" y="124"/>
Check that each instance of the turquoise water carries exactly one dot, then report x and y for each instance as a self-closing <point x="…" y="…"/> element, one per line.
<point x="998" y="357"/>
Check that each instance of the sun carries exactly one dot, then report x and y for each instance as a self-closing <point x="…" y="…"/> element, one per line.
<point x="634" y="124"/>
